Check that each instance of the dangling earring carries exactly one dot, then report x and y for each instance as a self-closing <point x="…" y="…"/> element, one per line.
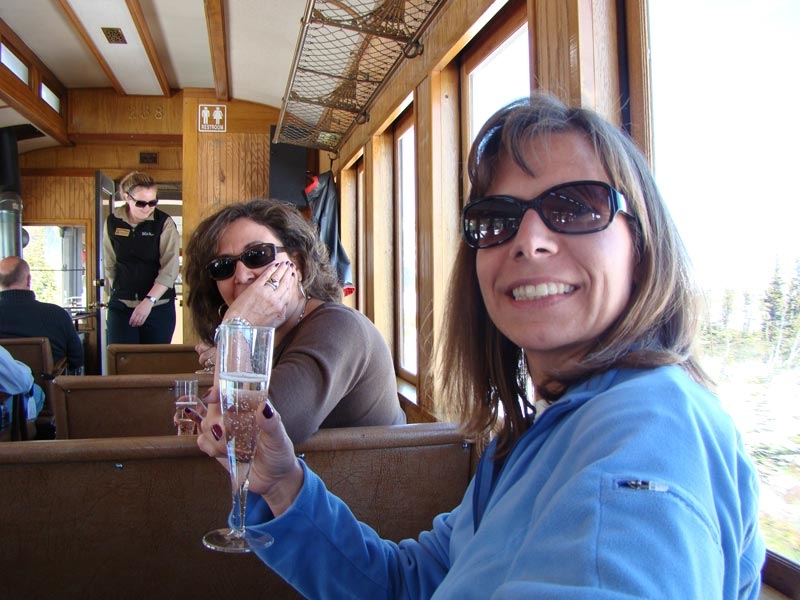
<point x="306" y="298"/>
<point x="221" y="310"/>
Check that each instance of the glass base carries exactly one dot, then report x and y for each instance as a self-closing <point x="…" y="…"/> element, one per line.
<point x="228" y="540"/>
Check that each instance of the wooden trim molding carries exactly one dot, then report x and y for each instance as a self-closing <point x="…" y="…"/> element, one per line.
<point x="90" y="45"/>
<point x="781" y="574"/>
<point x="217" y="39"/>
<point x="636" y="33"/>
<point x="126" y="138"/>
<point x="137" y="14"/>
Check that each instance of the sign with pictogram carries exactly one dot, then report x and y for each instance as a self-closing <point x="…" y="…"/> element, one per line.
<point x="212" y="117"/>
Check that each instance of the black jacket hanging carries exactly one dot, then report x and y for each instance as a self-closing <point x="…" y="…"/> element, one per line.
<point x="324" y="202"/>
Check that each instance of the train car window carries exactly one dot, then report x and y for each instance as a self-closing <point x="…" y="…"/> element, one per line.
<point x="50" y="97"/>
<point x="9" y="58"/>
<point x="495" y="69"/>
<point x="724" y="143"/>
<point x="502" y="76"/>
<point x="405" y="196"/>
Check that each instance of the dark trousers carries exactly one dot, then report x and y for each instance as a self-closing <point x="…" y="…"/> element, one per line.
<point x="157" y="329"/>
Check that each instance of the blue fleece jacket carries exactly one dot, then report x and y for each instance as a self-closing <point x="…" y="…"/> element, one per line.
<point x="634" y="484"/>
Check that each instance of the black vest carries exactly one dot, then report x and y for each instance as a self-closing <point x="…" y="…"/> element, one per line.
<point x="138" y="256"/>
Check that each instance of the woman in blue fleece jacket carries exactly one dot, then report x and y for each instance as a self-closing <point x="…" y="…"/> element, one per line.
<point x="619" y="476"/>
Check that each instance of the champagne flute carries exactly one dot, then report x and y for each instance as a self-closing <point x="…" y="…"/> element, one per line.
<point x="185" y="397"/>
<point x="245" y="363"/>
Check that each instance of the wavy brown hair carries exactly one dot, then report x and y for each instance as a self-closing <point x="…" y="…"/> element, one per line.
<point x="296" y="234"/>
<point x="658" y="327"/>
<point x="136" y="179"/>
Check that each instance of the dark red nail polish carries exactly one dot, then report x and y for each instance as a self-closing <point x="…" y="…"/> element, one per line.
<point x="216" y="431"/>
<point x="268" y="412"/>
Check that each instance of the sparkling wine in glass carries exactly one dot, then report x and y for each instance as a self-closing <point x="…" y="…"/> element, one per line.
<point x="185" y="397"/>
<point x="245" y="364"/>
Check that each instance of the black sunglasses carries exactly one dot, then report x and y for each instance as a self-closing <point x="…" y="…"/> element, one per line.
<point x="577" y="207"/>
<point x="252" y="258"/>
<point x="143" y="203"/>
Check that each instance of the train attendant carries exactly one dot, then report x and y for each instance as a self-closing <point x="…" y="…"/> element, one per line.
<point x="141" y="247"/>
<point x="262" y="262"/>
<point x="570" y="331"/>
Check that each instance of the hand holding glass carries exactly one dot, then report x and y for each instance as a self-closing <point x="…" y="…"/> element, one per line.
<point x="185" y="397"/>
<point x="245" y="363"/>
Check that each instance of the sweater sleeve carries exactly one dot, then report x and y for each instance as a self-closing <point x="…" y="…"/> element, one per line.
<point x="109" y="261"/>
<point x="355" y="557"/>
<point x="325" y="359"/>
<point x="15" y="377"/>
<point x="169" y="251"/>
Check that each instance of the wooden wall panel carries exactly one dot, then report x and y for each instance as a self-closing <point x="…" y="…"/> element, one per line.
<point x="574" y="52"/>
<point x="380" y="298"/>
<point x="57" y="198"/>
<point x="437" y="137"/>
<point x="103" y="111"/>
<point x="231" y="168"/>
<point x="115" y="160"/>
<point x="222" y="168"/>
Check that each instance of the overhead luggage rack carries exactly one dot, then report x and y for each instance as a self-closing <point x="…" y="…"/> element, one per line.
<point x="345" y="52"/>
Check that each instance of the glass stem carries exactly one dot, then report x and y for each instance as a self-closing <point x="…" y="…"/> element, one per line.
<point x="239" y="485"/>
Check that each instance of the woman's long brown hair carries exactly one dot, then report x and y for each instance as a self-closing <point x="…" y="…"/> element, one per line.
<point x="483" y="368"/>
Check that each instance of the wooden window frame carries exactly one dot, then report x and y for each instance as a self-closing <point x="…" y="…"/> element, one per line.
<point x="402" y="125"/>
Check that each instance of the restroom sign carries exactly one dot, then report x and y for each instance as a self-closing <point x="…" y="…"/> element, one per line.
<point x="212" y="117"/>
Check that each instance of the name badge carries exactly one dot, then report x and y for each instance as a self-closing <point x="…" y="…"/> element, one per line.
<point x="121" y="231"/>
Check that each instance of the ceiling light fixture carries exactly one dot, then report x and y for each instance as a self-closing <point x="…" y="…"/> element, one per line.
<point x="114" y="35"/>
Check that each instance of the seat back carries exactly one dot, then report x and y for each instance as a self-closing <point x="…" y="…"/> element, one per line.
<point x="35" y="352"/>
<point x="101" y="406"/>
<point x="135" y="359"/>
<point x="123" y="517"/>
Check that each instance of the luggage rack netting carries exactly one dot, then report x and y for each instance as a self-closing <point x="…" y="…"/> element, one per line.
<point x="346" y="50"/>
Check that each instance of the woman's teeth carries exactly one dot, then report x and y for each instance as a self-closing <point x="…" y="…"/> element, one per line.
<point x="533" y="292"/>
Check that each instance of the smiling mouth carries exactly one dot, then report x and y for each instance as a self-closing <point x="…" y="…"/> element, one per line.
<point x="542" y="290"/>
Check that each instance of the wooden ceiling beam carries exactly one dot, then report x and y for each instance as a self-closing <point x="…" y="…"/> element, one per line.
<point x="217" y="38"/>
<point x="149" y="47"/>
<point x="93" y="49"/>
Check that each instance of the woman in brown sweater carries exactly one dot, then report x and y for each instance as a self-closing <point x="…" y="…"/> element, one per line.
<point x="263" y="262"/>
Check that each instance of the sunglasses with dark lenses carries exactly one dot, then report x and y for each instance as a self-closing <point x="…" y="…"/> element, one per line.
<point x="577" y="207"/>
<point x="143" y="203"/>
<point x="252" y="258"/>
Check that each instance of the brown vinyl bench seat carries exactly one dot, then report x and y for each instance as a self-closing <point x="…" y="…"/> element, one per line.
<point x="100" y="406"/>
<point x="140" y="359"/>
<point x="123" y="518"/>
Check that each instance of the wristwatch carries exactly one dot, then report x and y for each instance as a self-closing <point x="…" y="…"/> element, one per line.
<point x="152" y="299"/>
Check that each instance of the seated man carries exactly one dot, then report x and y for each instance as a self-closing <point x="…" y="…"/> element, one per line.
<point x="22" y="315"/>
<point x="16" y="378"/>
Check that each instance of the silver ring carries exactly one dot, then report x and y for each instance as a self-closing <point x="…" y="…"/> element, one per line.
<point x="273" y="283"/>
<point x="210" y="362"/>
